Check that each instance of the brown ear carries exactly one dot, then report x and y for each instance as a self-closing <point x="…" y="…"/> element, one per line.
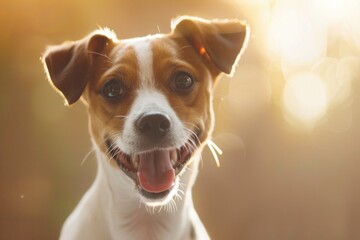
<point x="68" y="65"/>
<point x="222" y="41"/>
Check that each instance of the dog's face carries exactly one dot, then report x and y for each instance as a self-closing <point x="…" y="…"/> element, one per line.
<point x="149" y="99"/>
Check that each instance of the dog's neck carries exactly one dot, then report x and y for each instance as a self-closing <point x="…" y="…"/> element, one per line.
<point x="125" y="215"/>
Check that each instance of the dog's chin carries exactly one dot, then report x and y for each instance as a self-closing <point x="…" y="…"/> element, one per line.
<point x="167" y="187"/>
<point x="159" y="199"/>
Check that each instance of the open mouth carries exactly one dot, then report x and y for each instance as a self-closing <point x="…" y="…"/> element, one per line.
<point x="154" y="171"/>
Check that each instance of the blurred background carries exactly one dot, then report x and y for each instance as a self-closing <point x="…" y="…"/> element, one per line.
<point x="288" y="122"/>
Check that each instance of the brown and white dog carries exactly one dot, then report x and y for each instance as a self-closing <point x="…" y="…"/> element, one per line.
<point x="149" y="102"/>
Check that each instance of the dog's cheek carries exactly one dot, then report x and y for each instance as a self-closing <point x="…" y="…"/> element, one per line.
<point x="98" y="131"/>
<point x="105" y="119"/>
<point x="96" y="128"/>
<point x="198" y="116"/>
<point x="97" y="123"/>
<point x="206" y="123"/>
<point x="204" y="113"/>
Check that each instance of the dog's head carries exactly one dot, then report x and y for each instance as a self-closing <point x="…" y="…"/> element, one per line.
<point x="149" y="99"/>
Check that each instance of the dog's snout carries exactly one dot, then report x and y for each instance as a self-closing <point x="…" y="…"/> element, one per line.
<point x="153" y="125"/>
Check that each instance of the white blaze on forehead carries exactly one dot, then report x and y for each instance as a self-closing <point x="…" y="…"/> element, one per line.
<point x="144" y="54"/>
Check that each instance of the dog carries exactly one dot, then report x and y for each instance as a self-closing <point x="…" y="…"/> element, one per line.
<point x="149" y="102"/>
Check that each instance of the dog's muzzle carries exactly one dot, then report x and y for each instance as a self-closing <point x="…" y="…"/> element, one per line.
<point x="154" y="170"/>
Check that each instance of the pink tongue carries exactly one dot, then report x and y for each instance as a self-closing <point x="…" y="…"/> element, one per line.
<point x="155" y="173"/>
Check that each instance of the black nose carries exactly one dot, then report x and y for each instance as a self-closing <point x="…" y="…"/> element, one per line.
<point x="153" y="125"/>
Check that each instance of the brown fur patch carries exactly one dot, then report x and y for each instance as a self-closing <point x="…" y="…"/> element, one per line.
<point x="107" y="118"/>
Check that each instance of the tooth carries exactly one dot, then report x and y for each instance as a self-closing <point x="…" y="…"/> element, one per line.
<point x="135" y="160"/>
<point x="173" y="156"/>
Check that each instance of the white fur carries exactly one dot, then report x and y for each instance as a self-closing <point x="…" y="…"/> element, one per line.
<point x="111" y="210"/>
<point x="144" y="57"/>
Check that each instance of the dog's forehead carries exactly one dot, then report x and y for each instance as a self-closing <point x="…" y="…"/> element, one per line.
<point x="158" y="43"/>
<point x="143" y="51"/>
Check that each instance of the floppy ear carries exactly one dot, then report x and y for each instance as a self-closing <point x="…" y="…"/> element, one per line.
<point x="69" y="65"/>
<point x="220" y="41"/>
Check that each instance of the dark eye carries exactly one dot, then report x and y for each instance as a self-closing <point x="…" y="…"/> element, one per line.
<point x="182" y="82"/>
<point x="113" y="89"/>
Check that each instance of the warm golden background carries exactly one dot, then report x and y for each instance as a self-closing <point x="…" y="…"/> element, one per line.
<point x="288" y="122"/>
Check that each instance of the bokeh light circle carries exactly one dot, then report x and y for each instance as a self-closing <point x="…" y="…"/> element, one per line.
<point x="305" y="97"/>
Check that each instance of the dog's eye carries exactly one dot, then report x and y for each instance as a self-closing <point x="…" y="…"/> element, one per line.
<point x="182" y="82"/>
<point x="113" y="89"/>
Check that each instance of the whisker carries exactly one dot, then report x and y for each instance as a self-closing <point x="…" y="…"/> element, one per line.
<point x="160" y="208"/>
<point x="214" y="149"/>
<point x="93" y="149"/>
<point x="102" y="55"/>
<point x="120" y="116"/>
<point x="178" y="197"/>
<point x="191" y="124"/>
<point x="87" y="156"/>
<point x="175" y="205"/>
<point x="184" y="47"/>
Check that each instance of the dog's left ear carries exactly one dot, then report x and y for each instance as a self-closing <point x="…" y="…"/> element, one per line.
<point x="220" y="41"/>
<point x="69" y="65"/>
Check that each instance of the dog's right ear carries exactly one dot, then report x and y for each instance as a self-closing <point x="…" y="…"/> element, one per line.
<point x="69" y="65"/>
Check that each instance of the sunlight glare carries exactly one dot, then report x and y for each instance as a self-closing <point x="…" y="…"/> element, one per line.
<point x="294" y="38"/>
<point x="331" y="11"/>
<point x="337" y="78"/>
<point x="352" y="24"/>
<point x="305" y="97"/>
